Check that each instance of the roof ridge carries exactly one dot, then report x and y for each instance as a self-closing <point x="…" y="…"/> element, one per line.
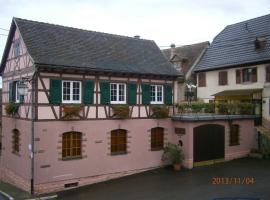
<point x="186" y="45"/>
<point x="251" y="19"/>
<point x="80" y="29"/>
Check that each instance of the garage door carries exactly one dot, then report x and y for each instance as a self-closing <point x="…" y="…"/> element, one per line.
<point x="208" y="144"/>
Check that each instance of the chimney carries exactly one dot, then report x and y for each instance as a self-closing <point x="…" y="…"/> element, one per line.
<point x="172" y="50"/>
<point x="137" y="36"/>
<point x="260" y="43"/>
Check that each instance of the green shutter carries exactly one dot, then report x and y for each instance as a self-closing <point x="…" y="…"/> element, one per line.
<point x="11" y="92"/>
<point x="55" y="91"/>
<point x="104" y="92"/>
<point x="169" y="96"/>
<point x="88" y="92"/>
<point x="145" y="94"/>
<point x="132" y="93"/>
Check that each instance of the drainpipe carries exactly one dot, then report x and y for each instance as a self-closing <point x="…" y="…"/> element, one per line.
<point x="33" y="112"/>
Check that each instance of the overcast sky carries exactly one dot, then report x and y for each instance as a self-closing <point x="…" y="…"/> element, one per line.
<point x="165" y="21"/>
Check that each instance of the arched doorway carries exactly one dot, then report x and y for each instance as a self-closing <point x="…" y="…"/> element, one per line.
<point x="208" y="144"/>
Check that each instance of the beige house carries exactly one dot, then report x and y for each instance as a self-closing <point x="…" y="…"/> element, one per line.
<point x="236" y="66"/>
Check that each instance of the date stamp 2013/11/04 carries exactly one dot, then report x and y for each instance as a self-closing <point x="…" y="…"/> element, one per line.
<point x="233" y="180"/>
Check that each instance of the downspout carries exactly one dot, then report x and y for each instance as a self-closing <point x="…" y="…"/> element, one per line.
<point x="33" y="116"/>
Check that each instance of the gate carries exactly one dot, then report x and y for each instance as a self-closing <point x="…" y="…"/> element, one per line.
<point x="208" y="144"/>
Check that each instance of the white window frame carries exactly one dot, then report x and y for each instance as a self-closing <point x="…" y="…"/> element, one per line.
<point x="117" y="93"/>
<point x="155" y="94"/>
<point x="17" y="96"/>
<point x="71" y="92"/>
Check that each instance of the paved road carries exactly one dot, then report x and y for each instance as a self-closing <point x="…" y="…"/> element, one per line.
<point x="248" y="178"/>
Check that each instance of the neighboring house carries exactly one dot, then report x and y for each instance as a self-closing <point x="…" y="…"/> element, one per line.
<point x="65" y="133"/>
<point x="184" y="59"/>
<point x="236" y="66"/>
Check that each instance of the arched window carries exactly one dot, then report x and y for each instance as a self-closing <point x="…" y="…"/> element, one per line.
<point x="15" y="141"/>
<point x="71" y="145"/>
<point x="157" y="138"/>
<point x="118" y="141"/>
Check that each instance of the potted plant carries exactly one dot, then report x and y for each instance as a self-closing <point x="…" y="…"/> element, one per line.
<point x="160" y="111"/>
<point x="173" y="154"/>
<point x="120" y="111"/>
<point x="12" y="108"/>
<point x="71" y="111"/>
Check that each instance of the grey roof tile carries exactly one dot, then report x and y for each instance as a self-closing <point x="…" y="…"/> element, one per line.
<point x="235" y="45"/>
<point x="64" y="46"/>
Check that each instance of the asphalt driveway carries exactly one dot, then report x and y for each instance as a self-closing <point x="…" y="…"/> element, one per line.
<point x="249" y="178"/>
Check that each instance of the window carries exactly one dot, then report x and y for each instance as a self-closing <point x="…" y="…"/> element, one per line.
<point x="157" y="138"/>
<point x="246" y="75"/>
<point x="71" y="145"/>
<point x="119" y="141"/>
<point x="223" y="78"/>
<point x="267" y="72"/>
<point x="18" y="98"/>
<point x="234" y="134"/>
<point x="71" y="91"/>
<point x="118" y="93"/>
<point x="17" y="48"/>
<point x="15" y="141"/>
<point x="156" y="94"/>
<point x="249" y="75"/>
<point x="202" y="79"/>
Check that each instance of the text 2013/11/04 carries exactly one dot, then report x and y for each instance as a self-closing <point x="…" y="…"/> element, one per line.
<point x="233" y="180"/>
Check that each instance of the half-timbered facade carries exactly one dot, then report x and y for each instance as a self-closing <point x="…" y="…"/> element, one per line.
<point x="64" y="130"/>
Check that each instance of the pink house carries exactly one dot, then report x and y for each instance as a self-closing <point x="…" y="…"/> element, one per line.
<point x="87" y="112"/>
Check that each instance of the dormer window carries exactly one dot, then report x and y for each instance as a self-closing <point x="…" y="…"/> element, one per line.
<point x="17" y="48"/>
<point x="260" y="43"/>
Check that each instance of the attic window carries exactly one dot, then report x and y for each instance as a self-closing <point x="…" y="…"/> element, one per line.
<point x="260" y="43"/>
<point x="17" y="48"/>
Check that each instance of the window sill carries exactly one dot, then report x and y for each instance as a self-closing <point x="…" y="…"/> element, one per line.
<point x="156" y="103"/>
<point x="236" y="144"/>
<point x="16" y="153"/>
<point x="71" y="102"/>
<point x="72" y="158"/>
<point x="157" y="149"/>
<point x="118" y="153"/>
<point x="117" y="102"/>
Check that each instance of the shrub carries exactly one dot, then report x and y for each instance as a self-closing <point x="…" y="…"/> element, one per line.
<point x="120" y="111"/>
<point x="160" y="111"/>
<point x="12" y="108"/>
<point x="265" y="146"/>
<point x="246" y="108"/>
<point x="209" y="108"/>
<point x="173" y="153"/>
<point x="223" y="108"/>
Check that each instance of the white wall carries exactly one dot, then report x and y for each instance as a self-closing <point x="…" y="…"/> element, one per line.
<point x="212" y="86"/>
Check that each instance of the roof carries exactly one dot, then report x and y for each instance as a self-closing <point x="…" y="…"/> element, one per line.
<point x="55" y="46"/>
<point x="188" y="52"/>
<point x="234" y="46"/>
<point x="237" y="92"/>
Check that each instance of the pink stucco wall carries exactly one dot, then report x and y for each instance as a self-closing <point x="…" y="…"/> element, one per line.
<point x="247" y="139"/>
<point x="96" y="159"/>
<point x="18" y="163"/>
